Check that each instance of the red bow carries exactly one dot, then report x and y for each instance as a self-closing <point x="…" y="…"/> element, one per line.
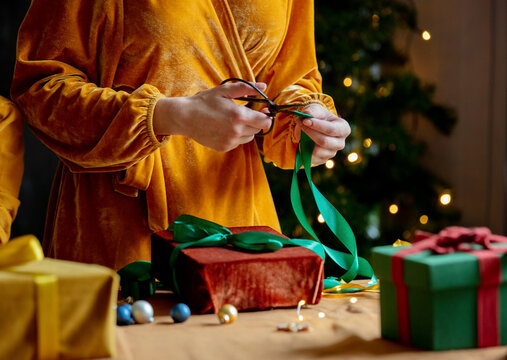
<point x="457" y="238"/>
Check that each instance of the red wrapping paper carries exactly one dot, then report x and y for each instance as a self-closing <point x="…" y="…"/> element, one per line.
<point x="210" y="277"/>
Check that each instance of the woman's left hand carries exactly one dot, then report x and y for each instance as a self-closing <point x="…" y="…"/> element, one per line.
<point x="327" y="130"/>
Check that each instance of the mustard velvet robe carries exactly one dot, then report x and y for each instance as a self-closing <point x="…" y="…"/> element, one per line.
<point x="11" y="164"/>
<point x="87" y="77"/>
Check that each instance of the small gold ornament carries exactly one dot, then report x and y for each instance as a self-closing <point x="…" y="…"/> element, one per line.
<point x="227" y="314"/>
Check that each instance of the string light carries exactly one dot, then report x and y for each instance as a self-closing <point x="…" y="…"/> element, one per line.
<point x="347" y="82"/>
<point x="374" y="20"/>
<point x="382" y="91"/>
<point x="297" y="327"/>
<point x="393" y="209"/>
<point x="445" y="198"/>
<point x="352" y="157"/>
<point x="330" y="164"/>
<point x="423" y="219"/>
<point x="320" y="218"/>
<point x="300" y="304"/>
<point x="426" y="35"/>
<point x="367" y="142"/>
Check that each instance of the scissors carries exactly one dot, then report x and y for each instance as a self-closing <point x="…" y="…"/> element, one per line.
<point x="272" y="107"/>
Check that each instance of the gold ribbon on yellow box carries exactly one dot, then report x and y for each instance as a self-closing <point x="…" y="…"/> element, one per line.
<point x="22" y="250"/>
<point x="52" y="308"/>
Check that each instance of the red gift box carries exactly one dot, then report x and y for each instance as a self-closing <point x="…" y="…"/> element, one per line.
<point x="210" y="277"/>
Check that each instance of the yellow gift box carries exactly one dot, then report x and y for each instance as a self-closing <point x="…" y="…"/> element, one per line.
<point x="53" y="309"/>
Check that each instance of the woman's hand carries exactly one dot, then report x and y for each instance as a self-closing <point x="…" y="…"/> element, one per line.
<point x="327" y="130"/>
<point x="211" y="117"/>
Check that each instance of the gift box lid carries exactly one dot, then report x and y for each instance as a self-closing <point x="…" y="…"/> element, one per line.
<point x="427" y="270"/>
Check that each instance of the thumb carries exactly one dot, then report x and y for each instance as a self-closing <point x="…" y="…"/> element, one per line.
<point x="239" y="89"/>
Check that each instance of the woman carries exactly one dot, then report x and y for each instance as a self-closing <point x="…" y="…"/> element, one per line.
<point x="126" y="94"/>
<point x="11" y="165"/>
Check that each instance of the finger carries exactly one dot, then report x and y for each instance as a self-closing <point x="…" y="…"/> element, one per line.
<point x="318" y="161"/>
<point x="245" y="139"/>
<point x="335" y="128"/>
<point x="239" y="89"/>
<point x="254" y="119"/>
<point x="250" y="131"/>
<point x="321" y="155"/>
<point x="318" y="111"/>
<point x="262" y="86"/>
<point x="324" y="141"/>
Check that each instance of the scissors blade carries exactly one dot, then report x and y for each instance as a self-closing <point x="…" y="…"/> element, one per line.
<point x="249" y="99"/>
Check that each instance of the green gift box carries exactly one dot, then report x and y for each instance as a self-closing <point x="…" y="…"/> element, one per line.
<point x="442" y="293"/>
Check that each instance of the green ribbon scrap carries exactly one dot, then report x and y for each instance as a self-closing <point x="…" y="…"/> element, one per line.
<point x="191" y="231"/>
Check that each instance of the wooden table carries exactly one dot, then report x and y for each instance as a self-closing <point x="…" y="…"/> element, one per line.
<point x="348" y="331"/>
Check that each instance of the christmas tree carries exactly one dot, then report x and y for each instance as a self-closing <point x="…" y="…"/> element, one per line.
<point x="377" y="182"/>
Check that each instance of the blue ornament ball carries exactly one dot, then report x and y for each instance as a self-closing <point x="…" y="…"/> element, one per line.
<point x="124" y="315"/>
<point x="180" y="312"/>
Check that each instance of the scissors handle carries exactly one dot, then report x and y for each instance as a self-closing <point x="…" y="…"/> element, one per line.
<point x="272" y="107"/>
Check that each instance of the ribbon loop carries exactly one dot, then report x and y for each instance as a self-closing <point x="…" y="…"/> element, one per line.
<point x="189" y="228"/>
<point x="21" y="250"/>
<point x="457" y="238"/>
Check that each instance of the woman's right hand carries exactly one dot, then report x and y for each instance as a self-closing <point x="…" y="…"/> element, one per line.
<point x="211" y="117"/>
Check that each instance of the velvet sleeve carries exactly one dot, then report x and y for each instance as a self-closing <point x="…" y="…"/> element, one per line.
<point x="293" y="78"/>
<point x="11" y="165"/>
<point x="64" y="84"/>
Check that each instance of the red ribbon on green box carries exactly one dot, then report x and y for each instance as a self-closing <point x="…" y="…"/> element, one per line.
<point x="447" y="241"/>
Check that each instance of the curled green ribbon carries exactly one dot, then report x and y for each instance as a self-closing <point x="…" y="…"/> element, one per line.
<point x="350" y="262"/>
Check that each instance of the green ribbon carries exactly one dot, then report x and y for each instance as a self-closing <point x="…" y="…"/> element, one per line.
<point x="350" y="262"/>
<point x="191" y="231"/>
<point x="136" y="280"/>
